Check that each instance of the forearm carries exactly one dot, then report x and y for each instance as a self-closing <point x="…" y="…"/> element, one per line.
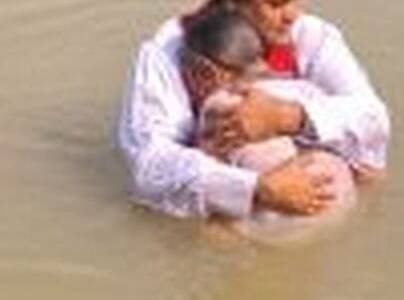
<point x="349" y="118"/>
<point x="183" y="181"/>
<point x="356" y="128"/>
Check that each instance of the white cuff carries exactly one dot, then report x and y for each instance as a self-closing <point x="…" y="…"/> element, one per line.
<point x="230" y="190"/>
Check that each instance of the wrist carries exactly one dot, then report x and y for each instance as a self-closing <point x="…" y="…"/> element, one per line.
<point x="262" y="193"/>
<point x="294" y="118"/>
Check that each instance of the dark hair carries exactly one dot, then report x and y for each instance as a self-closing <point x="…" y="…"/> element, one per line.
<point x="224" y="36"/>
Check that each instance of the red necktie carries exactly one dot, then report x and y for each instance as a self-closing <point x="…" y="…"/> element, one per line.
<point x="281" y="58"/>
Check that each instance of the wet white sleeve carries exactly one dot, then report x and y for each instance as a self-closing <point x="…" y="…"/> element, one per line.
<point x="155" y="126"/>
<point x="350" y="119"/>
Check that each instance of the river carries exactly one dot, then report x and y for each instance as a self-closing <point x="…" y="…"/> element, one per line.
<point x="67" y="229"/>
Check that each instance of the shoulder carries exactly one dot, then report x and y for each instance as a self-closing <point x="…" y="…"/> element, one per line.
<point x="312" y="35"/>
<point x="169" y="37"/>
<point x="170" y="29"/>
<point x="314" y="26"/>
<point x="157" y="62"/>
<point x="161" y="50"/>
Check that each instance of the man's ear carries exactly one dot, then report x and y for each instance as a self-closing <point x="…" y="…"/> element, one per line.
<point x="240" y="87"/>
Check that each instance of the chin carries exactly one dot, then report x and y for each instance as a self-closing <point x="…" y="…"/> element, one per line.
<point x="278" y="37"/>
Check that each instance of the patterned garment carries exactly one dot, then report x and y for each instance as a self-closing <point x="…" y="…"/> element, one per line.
<point x="281" y="60"/>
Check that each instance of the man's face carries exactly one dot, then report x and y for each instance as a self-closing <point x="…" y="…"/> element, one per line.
<point x="273" y="18"/>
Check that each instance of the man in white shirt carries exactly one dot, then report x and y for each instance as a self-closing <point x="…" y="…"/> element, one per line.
<point x="157" y="120"/>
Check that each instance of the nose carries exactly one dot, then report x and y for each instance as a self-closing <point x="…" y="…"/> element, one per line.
<point x="288" y="13"/>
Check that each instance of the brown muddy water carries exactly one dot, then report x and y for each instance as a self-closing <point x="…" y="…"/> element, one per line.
<point x="66" y="228"/>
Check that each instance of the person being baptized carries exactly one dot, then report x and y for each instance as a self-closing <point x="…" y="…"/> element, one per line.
<point x="223" y="68"/>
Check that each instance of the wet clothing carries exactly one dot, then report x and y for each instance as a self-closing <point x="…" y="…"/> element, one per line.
<point x="157" y="121"/>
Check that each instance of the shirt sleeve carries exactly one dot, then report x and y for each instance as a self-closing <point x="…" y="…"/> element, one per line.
<point x="155" y="125"/>
<point x="350" y="118"/>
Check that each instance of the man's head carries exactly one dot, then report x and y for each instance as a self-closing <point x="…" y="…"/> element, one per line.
<point x="221" y="48"/>
<point x="227" y="38"/>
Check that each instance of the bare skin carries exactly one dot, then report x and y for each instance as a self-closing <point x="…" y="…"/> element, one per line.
<point x="290" y="188"/>
<point x="264" y="116"/>
<point x="273" y="18"/>
<point x="282" y="188"/>
<point x="261" y="117"/>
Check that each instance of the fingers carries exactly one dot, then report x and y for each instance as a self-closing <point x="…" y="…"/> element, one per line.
<point x="228" y="126"/>
<point x="220" y="112"/>
<point x="324" y="186"/>
<point x="314" y="209"/>
<point x="240" y="87"/>
<point x="305" y="207"/>
<point x="321" y="179"/>
<point x="314" y="206"/>
<point x="326" y="190"/>
<point x="230" y="134"/>
<point x="298" y="191"/>
<point x="320" y="199"/>
<point x="325" y="196"/>
<point x="229" y="121"/>
<point x="313" y="202"/>
<point x="223" y="118"/>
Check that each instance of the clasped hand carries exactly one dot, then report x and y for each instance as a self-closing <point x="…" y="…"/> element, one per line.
<point x="292" y="187"/>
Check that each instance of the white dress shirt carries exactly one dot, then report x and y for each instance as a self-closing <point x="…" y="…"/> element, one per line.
<point x="156" y="122"/>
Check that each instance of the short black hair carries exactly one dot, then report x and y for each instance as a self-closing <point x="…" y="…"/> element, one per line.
<point x="225" y="36"/>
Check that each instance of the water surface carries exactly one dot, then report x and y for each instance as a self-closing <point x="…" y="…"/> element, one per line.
<point x="67" y="230"/>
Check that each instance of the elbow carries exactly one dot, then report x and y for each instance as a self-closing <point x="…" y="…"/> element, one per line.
<point x="365" y="175"/>
<point x="375" y="122"/>
<point x="370" y="166"/>
<point x="381" y="123"/>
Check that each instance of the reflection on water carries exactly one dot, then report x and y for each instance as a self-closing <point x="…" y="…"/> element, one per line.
<point x="67" y="230"/>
